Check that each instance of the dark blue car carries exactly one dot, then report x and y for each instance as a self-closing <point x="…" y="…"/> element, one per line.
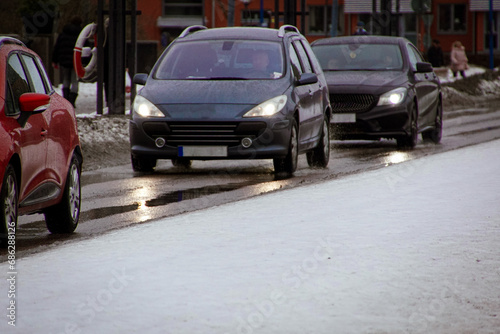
<point x="380" y="87"/>
<point x="232" y="93"/>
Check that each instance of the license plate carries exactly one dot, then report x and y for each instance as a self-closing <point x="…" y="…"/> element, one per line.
<point x="344" y="118"/>
<point x="202" y="151"/>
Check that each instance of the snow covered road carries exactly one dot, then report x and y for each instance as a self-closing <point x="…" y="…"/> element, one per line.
<point x="410" y="248"/>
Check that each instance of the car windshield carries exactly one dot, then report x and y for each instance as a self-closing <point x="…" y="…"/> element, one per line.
<point x="359" y="57"/>
<point x="222" y="60"/>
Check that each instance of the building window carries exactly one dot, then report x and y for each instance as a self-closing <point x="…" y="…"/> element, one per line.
<point x="452" y="18"/>
<point x="251" y="18"/>
<point x="320" y="20"/>
<point x="182" y="8"/>
<point x="410" y="27"/>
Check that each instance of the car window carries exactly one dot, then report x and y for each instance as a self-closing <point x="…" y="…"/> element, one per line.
<point x="45" y="76"/>
<point x="314" y="61"/>
<point x="414" y="56"/>
<point x="359" y="57"/>
<point x="295" y="63"/>
<point x="34" y="72"/>
<point x="17" y="84"/>
<point x="304" y="59"/>
<point x="222" y="59"/>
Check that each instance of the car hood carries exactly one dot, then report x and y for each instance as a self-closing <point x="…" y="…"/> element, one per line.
<point x="365" y="79"/>
<point x="161" y="92"/>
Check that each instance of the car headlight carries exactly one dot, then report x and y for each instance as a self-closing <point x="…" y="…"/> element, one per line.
<point x="144" y="108"/>
<point x="268" y="108"/>
<point x="393" y="97"/>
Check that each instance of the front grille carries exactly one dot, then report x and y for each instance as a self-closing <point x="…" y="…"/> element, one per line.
<point x="351" y="103"/>
<point x="209" y="133"/>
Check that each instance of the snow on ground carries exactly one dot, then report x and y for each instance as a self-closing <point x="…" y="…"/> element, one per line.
<point x="446" y="75"/>
<point x="411" y="248"/>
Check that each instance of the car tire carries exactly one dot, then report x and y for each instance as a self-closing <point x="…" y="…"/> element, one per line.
<point x="143" y="164"/>
<point x="181" y="162"/>
<point x="9" y="205"/>
<point x="63" y="217"/>
<point x="288" y="164"/>
<point x="434" y="135"/>
<point x="320" y="155"/>
<point x="410" y="141"/>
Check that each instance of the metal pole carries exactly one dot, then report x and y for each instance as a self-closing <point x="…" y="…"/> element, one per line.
<point x="492" y="65"/>
<point x="333" y="29"/>
<point x="133" y="46"/>
<point x="213" y="13"/>
<point x="398" y="30"/>
<point x="303" y="16"/>
<point x="116" y="60"/>
<point x="230" y="13"/>
<point x="276" y="14"/>
<point x="100" y="56"/>
<point x="261" y="13"/>
<point x="374" y="15"/>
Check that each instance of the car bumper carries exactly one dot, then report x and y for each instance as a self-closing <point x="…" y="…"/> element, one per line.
<point x="380" y="122"/>
<point x="210" y="140"/>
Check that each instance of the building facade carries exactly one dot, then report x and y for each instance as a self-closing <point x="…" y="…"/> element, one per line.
<point x="445" y="20"/>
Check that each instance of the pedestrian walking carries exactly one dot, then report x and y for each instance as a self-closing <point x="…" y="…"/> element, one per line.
<point x="62" y="58"/>
<point x="459" y="60"/>
<point x="435" y="54"/>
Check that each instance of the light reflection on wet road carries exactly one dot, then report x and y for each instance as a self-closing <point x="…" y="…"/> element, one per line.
<point x="116" y="197"/>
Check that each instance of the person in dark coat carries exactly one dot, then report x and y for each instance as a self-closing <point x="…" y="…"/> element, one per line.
<point x="360" y="29"/>
<point x="62" y="57"/>
<point x="435" y="54"/>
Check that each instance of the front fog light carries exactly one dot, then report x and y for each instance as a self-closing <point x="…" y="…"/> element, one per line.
<point x="246" y="142"/>
<point x="160" y="142"/>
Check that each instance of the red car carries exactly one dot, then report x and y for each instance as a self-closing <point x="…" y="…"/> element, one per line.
<point x="40" y="155"/>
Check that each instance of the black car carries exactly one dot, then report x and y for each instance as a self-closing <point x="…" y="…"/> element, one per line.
<point x="232" y="93"/>
<point x="380" y="87"/>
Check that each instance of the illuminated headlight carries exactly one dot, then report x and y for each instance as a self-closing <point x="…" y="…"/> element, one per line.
<point x="268" y="108"/>
<point x="144" y="108"/>
<point x="393" y="97"/>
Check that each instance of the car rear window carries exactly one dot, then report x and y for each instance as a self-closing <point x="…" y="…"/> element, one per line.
<point x="222" y="59"/>
<point x="349" y="57"/>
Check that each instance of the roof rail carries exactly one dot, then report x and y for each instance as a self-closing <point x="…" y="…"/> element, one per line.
<point x="10" y="40"/>
<point x="285" y="28"/>
<point x="191" y="29"/>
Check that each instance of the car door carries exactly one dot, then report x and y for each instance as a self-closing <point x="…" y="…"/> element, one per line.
<point x="426" y="86"/>
<point x="56" y="120"/>
<point x="309" y="102"/>
<point x="31" y="137"/>
<point x="321" y="94"/>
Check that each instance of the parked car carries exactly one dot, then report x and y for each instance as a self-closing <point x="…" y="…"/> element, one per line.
<point x="380" y="87"/>
<point x="40" y="160"/>
<point x="232" y="93"/>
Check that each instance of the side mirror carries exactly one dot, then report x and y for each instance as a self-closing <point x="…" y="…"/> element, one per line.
<point x="424" y="67"/>
<point x="32" y="103"/>
<point x="307" y="79"/>
<point x="140" y="79"/>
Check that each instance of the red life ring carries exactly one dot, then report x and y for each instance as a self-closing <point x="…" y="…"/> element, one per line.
<point x="88" y="71"/>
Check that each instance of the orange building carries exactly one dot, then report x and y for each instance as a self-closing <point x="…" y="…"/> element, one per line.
<point x="445" y="20"/>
